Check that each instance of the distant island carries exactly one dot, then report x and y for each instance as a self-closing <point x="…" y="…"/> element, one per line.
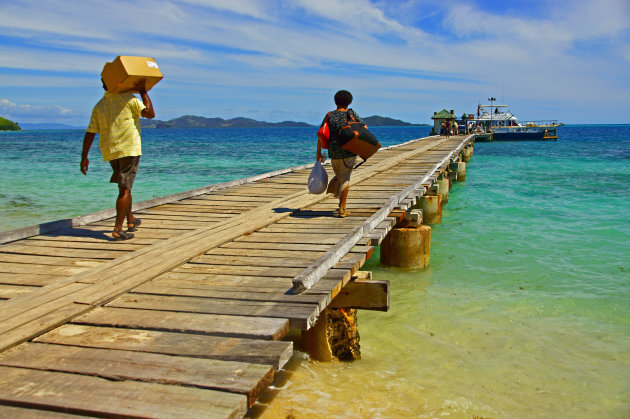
<point x="49" y="126"/>
<point x="6" y="125"/>
<point x="383" y="121"/>
<point x="192" y="121"/>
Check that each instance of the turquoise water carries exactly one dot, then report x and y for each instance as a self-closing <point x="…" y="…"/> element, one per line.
<point x="523" y="313"/>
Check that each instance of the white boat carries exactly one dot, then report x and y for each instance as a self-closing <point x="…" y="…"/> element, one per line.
<point x="501" y="123"/>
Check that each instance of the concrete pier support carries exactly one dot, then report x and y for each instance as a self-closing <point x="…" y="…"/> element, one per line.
<point x="460" y="168"/>
<point x="467" y="153"/>
<point x="431" y="206"/>
<point x="443" y="187"/>
<point x="334" y="336"/>
<point x="407" y="247"/>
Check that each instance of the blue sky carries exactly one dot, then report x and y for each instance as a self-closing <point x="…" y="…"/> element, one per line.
<point x="281" y="60"/>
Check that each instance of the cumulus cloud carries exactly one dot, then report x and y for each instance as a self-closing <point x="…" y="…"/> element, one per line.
<point x="28" y="111"/>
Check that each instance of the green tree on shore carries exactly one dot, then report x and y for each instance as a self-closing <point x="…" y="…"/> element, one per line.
<point x="6" y="125"/>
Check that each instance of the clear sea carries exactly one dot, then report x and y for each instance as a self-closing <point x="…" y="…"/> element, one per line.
<point x="523" y="313"/>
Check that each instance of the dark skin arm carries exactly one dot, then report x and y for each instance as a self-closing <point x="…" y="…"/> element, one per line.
<point x="147" y="112"/>
<point x="88" y="139"/>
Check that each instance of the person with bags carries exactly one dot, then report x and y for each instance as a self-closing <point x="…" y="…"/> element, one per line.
<point x="342" y="161"/>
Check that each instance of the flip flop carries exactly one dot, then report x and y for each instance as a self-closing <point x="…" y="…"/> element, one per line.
<point x="133" y="226"/>
<point x="343" y="214"/>
<point x="121" y="235"/>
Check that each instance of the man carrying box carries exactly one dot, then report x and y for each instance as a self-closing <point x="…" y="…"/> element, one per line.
<point x="116" y="118"/>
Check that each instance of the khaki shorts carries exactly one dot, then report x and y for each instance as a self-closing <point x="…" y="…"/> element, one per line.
<point x="125" y="170"/>
<point x="343" y="170"/>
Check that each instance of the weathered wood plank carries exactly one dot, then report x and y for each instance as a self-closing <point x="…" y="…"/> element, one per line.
<point x="31" y="326"/>
<point x="10" y="291"/>
<point x="63" y="252"/>
<point x="254" y="351"/>
<point x="207" y="324"/>
<point x="363" y="294"/>
<point x="19" y="268"/>
<point x="15" y="412"/>
<point x="33" y="280"/>
<point x="232" y="294"/>
<point x="229" y="376"/>
<point x="87" y="395"/>
<point x="300" y="315"/>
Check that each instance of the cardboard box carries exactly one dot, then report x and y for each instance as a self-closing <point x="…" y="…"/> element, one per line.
<point x="122" y="74"/>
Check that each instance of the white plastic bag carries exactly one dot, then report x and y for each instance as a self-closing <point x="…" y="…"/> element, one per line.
<point x="318" y="179"/>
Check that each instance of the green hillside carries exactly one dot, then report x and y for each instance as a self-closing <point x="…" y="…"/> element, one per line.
<point x="6" y="125"/>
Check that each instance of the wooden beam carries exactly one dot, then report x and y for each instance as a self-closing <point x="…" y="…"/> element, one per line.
<point x="364" y="295"/>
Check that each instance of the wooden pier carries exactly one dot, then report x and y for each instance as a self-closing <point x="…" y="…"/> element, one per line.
<point x="189" y="319"/>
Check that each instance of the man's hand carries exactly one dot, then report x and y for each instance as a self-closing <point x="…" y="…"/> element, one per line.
<point x="148" y="111"/>
<point x="84" y="165"/>
<point x="141" y="86"/>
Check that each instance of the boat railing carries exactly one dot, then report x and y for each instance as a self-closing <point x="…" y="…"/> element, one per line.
<point x="544" y="123"/>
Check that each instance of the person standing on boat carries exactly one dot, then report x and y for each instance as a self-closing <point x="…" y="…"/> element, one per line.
<point x="342" y="161"/>
<point x="116" y="118"/>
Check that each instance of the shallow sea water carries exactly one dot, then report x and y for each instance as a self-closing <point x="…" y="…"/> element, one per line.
<point x="523" y="313"/>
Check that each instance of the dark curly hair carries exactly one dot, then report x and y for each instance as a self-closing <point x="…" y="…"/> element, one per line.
<point x="343" y="98"/>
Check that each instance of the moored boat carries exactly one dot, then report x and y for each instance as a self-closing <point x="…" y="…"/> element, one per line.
<point x="497" y="123"/>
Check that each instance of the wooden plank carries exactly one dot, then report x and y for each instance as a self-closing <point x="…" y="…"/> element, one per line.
<point x="229" y="376"/>
<point x="239" y="270"/>
<point x="15" y="315"/>
<point x="64" y="252"/>
<point x="252" y="351"/>
<point x="364" y="295"/>
<point x="15" y="412"/>
<point x="34" y="280"/>
<point x="300" y="315"/>
<point x="48" y="260"/>
<point x="207" y="324"/>
<point x="232" y="294"/>
<point x="236" y="244"/>
<point x="18" y="268"/>
<point x="10" y="291"/>
<point x="187" y="279"/>
<point x="276" y="253"/>
<point x="32" y="326"/>
<point x="87" y="395"/>
<point x="101" y="245"/>
<point x="350" y="261"/>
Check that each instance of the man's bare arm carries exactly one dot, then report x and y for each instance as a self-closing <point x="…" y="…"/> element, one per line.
<point x="147" y="112"/>
<point x="87" y="143"/>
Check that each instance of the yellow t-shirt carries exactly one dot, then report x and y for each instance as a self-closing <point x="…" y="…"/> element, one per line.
<point x="116" y="118"/>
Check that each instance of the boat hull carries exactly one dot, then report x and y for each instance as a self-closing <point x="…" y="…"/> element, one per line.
<point x="537" y="134"/>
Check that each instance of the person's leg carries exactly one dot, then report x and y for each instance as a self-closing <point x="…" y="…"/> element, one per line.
<point x="124" y="174"/>
<point x="345" y="170"/>
<point x="342" y="199"/>
<point x="123" y="207"/>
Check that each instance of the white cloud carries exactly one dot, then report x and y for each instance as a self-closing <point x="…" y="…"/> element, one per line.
<point x="12" y="109"/>
<point x="252" y="8"/>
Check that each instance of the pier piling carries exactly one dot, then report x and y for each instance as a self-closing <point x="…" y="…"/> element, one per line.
<point x="443" y="187"/>
<point x="407" y="247"/>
